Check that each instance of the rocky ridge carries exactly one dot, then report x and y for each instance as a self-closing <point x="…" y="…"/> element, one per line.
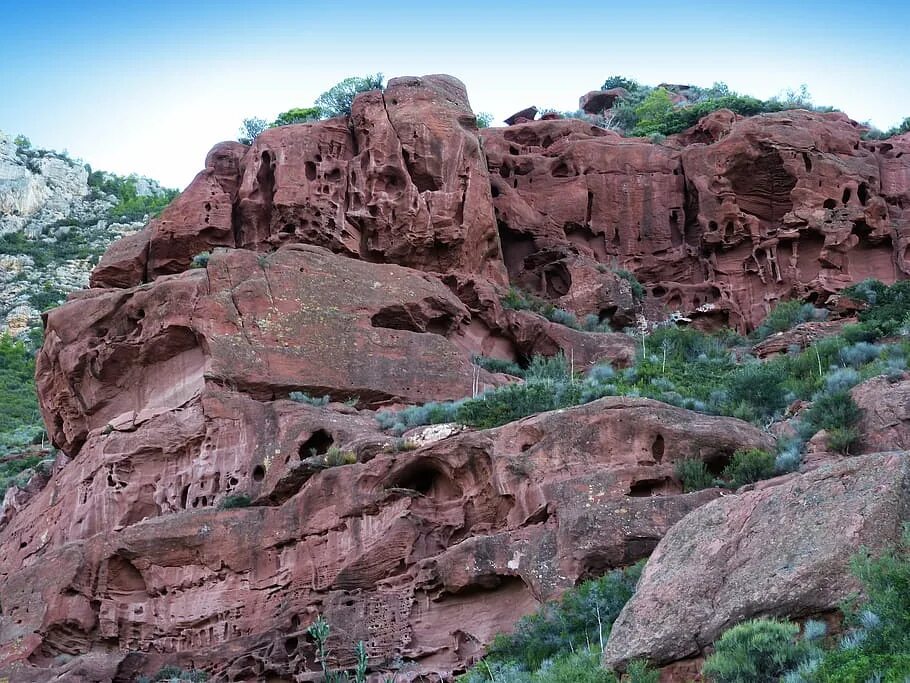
<point x="365" y="259"/>
<point x="53" y="226"/>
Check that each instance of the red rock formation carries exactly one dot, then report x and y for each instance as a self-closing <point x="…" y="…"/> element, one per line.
<point x="365" y="258"/>
<point x="395" y="551"/>
<point x="782" y="550"/>
<point x="598" y="101"/>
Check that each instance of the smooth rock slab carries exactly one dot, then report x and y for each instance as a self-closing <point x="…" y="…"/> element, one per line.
<point x="780" y="551"/>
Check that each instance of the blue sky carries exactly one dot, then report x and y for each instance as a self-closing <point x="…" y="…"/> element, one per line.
<point x="150" y="86"/>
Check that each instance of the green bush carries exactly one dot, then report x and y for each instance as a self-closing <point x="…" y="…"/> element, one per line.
<point x="878" y="645"/>
<point x="130" y="205"/>
<point x="17" y="471"/>
<point x="842" y="440"/>
<point x="20" y="419"/>
<point x="337" y="100"/>
<point x="575" y="667"/>
<point x="580" y="620"/>
<point x="498" y="365"/>
<point x="251" y="128"/>
<point x="749" y="466"/>
<point x="237" y="500"/>
<point x="484" y="119"/>
<point x="303" y="397"/>
<point x="694" y="475"/>
<point x="786" y="315"/>
<point x="512" y="402"/>
<point x="835" y="410"/>
<point x="629" y="84"/>
<point x="518" y="300"/>
<point x="638" y="289"/>
<point x="22" y="142"/>
<point x="756" y="651"/>
<point x="201" y="260"/>
<point x="175" y="673"/>
<point x="888" y="305"/>
<point x="335" y="457"/>
<point x="297" y="115"/>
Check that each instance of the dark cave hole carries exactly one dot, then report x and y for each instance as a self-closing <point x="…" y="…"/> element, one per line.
<point x="657" y="448"/>
<point x="863" y="193"/>
<point x="318" y="444"/>
<point x="807" y="161"/>
<point x="829" y="204"/>
<point x="310" y="170"/>
<point x="258" y="473"/>
<point x="426" y="479"/>
<point x="645" y="488"/>
<point x="847" y="195"/>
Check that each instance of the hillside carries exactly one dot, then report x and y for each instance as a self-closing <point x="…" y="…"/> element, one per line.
<point x="385" y="394"/>
<point x="56" y="219"/>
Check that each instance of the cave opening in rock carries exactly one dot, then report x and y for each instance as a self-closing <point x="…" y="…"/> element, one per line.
<point x="258" y="473"/>
<point x="318" y="444"/>
<point x="426" y="479"/>
<point x="862" y="193"/>
<point x="846" y="196"/>
<point x="645" y="488"/>
<point x="558" y="280"/>
<point x="657" y="448"/>
<point x="412" y="319"/>
<point x="516" y="247"/>
<point x="763" y="185"/>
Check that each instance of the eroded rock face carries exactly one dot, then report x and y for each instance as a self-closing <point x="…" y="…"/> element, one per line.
<point x="299" y="319"/>
<point x="403" y="180"/>
<point x="424" y="554"/>
<point x="365" y="258"/>
<point x="782" y="550"/>
<point x="720" y="222"/>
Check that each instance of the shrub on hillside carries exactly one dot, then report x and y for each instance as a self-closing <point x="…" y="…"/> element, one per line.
<point x="749" y="466"/>
<point x="305" y="398"/>
<point x="694" y="475"/>
<point x="888" y="307"/>
<point x="201" y="260"/>
<point x="835" y="410"/>
<point x="581" y="619"/>
<point x="237" y="500"/>
<point x="756" y="651"/>
<point x="507" y="367"/>
<point x="296" y="115"/>
<point x="876" y="646"/>
<point x="786" y="315"/>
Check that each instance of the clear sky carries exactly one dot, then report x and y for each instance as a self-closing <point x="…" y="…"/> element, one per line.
<point x="149" y="86"/>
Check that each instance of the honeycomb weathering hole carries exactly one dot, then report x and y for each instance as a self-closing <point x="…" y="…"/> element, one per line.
<point x="657" y="448"/>
<point x="426" y="479"/>
<point x="318" y="444"/>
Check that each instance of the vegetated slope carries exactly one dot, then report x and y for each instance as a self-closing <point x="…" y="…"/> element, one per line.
<point x="57" y="217"/>
<point x="225" y="480"/>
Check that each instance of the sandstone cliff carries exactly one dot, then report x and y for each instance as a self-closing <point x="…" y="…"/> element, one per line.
<point x="364" y="259"/>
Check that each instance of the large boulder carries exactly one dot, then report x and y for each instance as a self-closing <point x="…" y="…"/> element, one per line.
<point x="598" y="101"/>
<point x="885" y="420"/>
<point x="781" y="550"/>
